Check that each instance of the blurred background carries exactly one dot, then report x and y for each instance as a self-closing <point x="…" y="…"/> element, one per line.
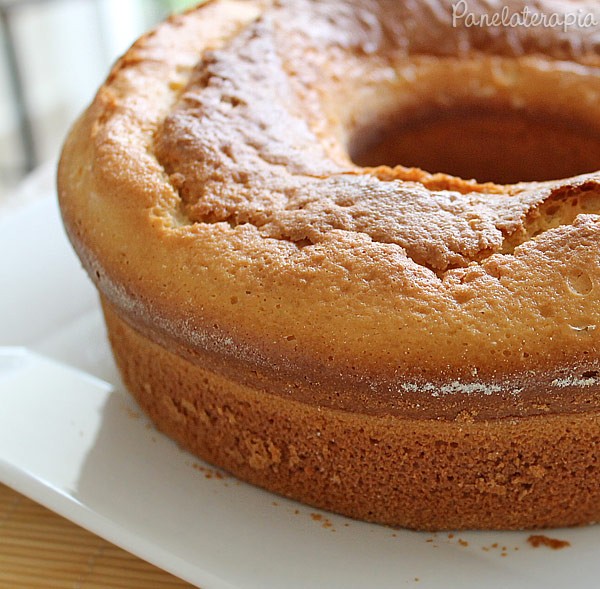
<point x="53" y="56"/>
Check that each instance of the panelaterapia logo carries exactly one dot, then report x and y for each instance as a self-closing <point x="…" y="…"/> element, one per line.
<point x="462" y="15"/>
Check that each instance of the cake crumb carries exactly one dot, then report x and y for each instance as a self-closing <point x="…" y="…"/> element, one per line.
<point x="463" y="542"/>
<point x="504" y="550"/>
<point x="553" y="543"/>
<point x="325" y="523"/>
<point x="209" y="473"/>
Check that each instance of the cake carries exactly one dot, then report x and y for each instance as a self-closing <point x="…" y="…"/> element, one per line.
<point x="292" y="298"/>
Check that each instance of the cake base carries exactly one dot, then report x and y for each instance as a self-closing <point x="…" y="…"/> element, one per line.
<point x="532" y="472"/>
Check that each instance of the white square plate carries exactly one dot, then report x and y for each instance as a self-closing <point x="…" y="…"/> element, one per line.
<point x="73" y="440"/>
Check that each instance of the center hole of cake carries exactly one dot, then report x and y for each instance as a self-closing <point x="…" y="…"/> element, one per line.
<point x="505" y="147"/>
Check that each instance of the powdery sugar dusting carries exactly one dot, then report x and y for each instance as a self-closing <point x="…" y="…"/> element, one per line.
<point x="455" y="387"/>
<point x="573" y="381"/>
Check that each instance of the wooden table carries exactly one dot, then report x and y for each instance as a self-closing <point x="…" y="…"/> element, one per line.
<point x="39" y="549"/>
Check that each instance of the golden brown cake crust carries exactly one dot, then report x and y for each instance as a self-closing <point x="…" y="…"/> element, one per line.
<point x="532" y="472"/>
<point x="211" y="194"/>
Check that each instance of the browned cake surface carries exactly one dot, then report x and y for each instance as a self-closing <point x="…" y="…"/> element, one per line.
<point x="217" y="193"/>
<point x="424" y="474"/>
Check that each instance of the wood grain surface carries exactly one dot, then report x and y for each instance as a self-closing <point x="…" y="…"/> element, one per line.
<point x="39" y="549"/>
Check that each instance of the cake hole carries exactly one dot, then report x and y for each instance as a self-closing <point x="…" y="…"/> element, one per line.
<point x="501" y="146"/>
<point x="580" y="283"/>
<point x="302" y="243"/>
<point x="582" y="326"/>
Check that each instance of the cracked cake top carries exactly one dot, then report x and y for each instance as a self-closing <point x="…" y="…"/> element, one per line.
<point x="214" y="193"/>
